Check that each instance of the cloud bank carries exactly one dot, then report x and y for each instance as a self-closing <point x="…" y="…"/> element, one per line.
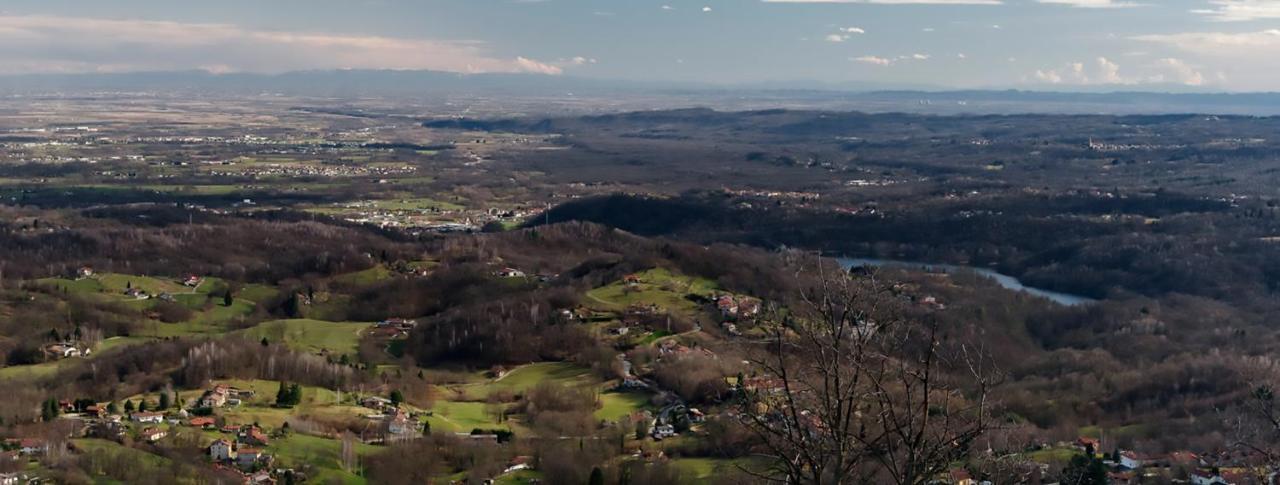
<point x="53" y="44"/>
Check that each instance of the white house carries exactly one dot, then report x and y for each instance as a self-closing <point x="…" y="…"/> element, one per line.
<point x="222" y="450"/>
<point x="156" y="418"/>
<point x="1201" y="477"/>
<point x="1130" y="460"/>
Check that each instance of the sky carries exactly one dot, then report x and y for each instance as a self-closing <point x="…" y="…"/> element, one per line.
<point x="1212" y="45"/>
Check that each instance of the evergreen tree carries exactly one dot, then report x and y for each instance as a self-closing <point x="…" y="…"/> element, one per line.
<point x="113" y="408"/>
<point x="128" y="406"/>
<point x="142" y="405"/>
<point x="282" y="395"/>
<point x="164" y="401"/>
<point x="597" y="477"/>
<point x="49" y="410"/>
<point x="295" y="394"/>
<point x="1085" y="470"/>
<point x="226" y="299"/>
<point x="426" y="428"/>
<point x="396" y="398"/>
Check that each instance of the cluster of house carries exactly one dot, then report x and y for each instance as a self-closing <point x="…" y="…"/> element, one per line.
<point x="733" y="307"/>
<point x="397" y="421"/>
<point x="394" y="328"/>
<point x="222" y="395"/>
<point x="243" y="449"/>
<point x="1132" y="467"/>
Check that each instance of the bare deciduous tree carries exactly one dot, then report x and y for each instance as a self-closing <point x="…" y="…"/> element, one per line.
<point x="847" y="388"/>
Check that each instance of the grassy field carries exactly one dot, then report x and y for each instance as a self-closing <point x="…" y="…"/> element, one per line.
<point x="365" y="277"/>
<point x="38" y="371"/>
<point x="311" y="335"/>
<point x="616" y="405"/>
<point x="324" y="454"/>
<point x="522" y="378"/>
<point x="460" y="417"/>
<point x="657" y="286"/>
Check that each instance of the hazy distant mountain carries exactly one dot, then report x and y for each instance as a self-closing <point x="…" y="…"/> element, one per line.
<point x="797" y="94"/>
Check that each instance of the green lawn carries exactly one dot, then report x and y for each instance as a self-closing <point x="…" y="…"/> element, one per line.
<point x="525" y="377"/>
<point x="616" y="405"/>
<point x="704" y="470"/>
<point x="311" y="335"/>
<point x="365" y="277"/>
<point x="257" y="293"/>
<point x="460" y="417"/>
<point x="657" y="286"/>
<point x="38" y="371"/>
<point x="324" y="454"/>
<point x="81" y="286"/>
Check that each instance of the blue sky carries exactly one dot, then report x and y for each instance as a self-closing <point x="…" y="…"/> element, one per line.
<point x="1206" y="44"/>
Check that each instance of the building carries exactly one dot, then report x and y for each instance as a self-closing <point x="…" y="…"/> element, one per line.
<point x="32" y="446"/>
<point x="214" y="398"/>
<point x="152" y="435"/>
<point x="375" y="402"/>
<point x="1202" y="477"/>
<point x="399" y="423"/>
<point x="511" y="273"/>
<point x="151" y="417"/>
<point x="250" y="457"/>
<point x="222" y="450"/>
<point x="959" y="476"/>
<point x="255" y="436"/>
<point x="663" y="431"/>
<point x="1131" y="460"/>
<point x="204" y="422"/>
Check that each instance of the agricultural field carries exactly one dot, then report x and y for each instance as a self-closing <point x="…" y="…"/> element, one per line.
<point x="315" y="336"/>
<point x="661" y="287"/>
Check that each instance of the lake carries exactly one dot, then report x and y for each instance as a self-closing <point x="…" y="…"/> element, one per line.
<point x="1004" y="280"/>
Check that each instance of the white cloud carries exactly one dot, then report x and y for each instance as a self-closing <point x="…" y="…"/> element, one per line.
<point x="1103" y="71"/>
<point x="1093" y="3"/>
<point x="1246" y="56"/>
<point x="706" y="9"/>
<point x="1241" y="10"/>
<point x="878" y="61"/>
<point x="885" y="61"/>
<point x="897" y="2"/>
<point x="43" y="44"/>
<point x="1178" y="72"/>
<point x="845" y="34"/>
<point x="667" y="7"/>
